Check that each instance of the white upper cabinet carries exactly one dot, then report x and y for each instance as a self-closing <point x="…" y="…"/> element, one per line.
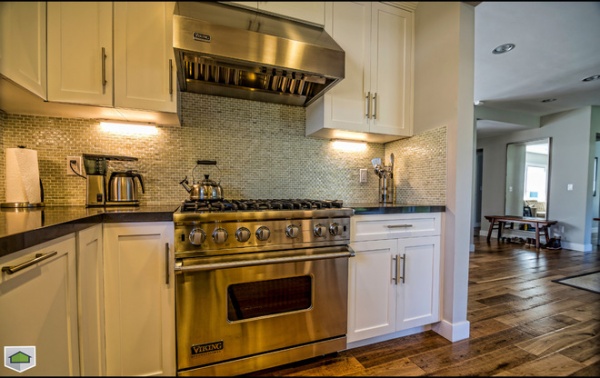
<point x="312" y="12"/>
<point x="144" y="61"/>
<point x="80" y="53"/>
<point x="137" y="72"/>
<point x="23" y="44"/>
<point x="374" y="100"/>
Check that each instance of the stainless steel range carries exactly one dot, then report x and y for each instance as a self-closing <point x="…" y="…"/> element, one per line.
<point x="259" y="283"/>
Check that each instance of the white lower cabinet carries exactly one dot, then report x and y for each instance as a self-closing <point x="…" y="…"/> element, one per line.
<point x="139" y="293"/>
<point x="394" y="278"/>
<point x="38" y="307"/>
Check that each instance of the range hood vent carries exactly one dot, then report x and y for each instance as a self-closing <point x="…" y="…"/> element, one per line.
<point x="227" y="51"/>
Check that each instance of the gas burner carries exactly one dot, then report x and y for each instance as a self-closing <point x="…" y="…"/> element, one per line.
<point x="259" y="204"/>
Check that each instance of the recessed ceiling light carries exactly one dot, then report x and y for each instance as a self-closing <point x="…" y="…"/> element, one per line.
<point x="591" y="78"/>
<point x="503" y="48"/>
<point x="549" y="100"/>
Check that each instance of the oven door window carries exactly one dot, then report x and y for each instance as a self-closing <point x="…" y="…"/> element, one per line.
<point x="269" y="297"/>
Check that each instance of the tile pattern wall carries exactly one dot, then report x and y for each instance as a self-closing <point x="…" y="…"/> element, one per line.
<point x="420" y="168"/>
<point x="260" y="149"/>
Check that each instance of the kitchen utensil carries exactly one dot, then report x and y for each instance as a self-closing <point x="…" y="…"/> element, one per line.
<point x="122" y="186"/>
<point x="204" y="190"/>
<point x="386" y="179"/>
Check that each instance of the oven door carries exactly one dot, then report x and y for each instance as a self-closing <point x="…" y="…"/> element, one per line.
<point x="232" y="307"/>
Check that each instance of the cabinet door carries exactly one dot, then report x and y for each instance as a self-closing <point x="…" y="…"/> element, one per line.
<point x="371" y="290"/>
<point x="80" y="53"/>
<point x="139" y="290"/>
<point x="345" y="105"/>
<point x="418" y="289"/>
<point x="23" y="44"/>
<point x="391" y="70"/>
<point x="90" y="299"/>
<point x="144" y="58"/>
<point x="309" y="11"/>
<point x="38" y="307"/>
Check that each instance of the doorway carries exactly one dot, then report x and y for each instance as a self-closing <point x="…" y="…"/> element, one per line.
<point x="478" y="190"/>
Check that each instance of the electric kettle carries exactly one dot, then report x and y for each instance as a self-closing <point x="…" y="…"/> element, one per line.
<point x="122" y="186"/>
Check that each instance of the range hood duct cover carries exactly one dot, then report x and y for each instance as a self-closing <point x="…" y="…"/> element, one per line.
<point x="224" y="50"/>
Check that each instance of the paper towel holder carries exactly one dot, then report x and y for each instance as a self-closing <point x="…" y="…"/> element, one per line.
<point x="26" y="204"/>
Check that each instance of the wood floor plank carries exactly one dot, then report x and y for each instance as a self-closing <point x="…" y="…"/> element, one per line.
<point x="551" y="365"/>
<point x="548" y="324"/>
<point x="561" y="339"/>
<point x="588" y="371"/>
<point x="448" y="356"/>
<point x="486" y="327"/>
<point x="397" y="368"/>
<point x="587" y="351"/>
<point x="516" y="318"/>
<point x="488" y="364"/>
<point x="384" y="352"/>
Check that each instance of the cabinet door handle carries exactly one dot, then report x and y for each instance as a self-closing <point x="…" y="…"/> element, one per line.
<point x="374" y="105"/>
<point x="170" y="76"/>
<point x="402" y="259"/>
<point x="395" y="269"/>
<point x="103" y="59"/>
<point x="38" y="257"/>
<point x="167" y="263"/>
<point x="368" y="98"/>
<point x="399" y="226"/>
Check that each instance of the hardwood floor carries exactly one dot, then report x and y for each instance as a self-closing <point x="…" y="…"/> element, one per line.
<point x="522" y="324"/>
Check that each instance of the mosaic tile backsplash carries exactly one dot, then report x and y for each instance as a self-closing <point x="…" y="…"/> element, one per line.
<point x="260" y="149"/>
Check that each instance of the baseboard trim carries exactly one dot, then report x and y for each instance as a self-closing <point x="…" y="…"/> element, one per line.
<point x="452" y="331"/>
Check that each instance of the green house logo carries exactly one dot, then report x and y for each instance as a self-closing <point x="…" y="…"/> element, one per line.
<point x="19" y="358"/>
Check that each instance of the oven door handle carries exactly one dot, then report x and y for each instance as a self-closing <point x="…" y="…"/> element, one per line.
<point x="275" y="260"/>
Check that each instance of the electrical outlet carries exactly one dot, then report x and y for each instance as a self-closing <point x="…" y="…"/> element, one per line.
<point x="363" y="175"/>
<point x="74" y="163"/>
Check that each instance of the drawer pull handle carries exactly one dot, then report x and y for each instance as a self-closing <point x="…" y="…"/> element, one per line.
<point x="400" y="226"/>
<point x="38" y="257"/>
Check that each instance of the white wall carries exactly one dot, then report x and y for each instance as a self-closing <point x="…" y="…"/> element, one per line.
<point x="572" y="152"/>
<point x="444" y="39"/>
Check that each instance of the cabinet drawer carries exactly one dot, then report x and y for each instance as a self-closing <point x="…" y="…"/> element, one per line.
<point x="392" y="226"/>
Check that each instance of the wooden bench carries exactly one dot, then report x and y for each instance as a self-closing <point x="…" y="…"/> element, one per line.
<point x="539" y="224"/>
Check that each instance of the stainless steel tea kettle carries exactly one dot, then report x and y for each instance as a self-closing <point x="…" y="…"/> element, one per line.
<point x="204" y="190"/>
<point x="122" y="186"/>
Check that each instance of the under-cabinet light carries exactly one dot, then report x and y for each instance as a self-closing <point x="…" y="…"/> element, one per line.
<point x="349" y="145"/>
<point x="128" y="128"/>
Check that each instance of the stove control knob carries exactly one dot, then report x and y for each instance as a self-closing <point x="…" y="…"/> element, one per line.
<point x="263" y="233"/>
<point x="242" y="234"/>
<point x="320" y="230"/>
<point x="220" y="235"/>
<point x="197" y="236"/>
<point x="336" y="229"/>
<point x="292" y="231"/>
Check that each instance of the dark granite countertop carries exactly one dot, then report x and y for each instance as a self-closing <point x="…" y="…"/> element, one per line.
<point x="379" y="208"/>
<point x="24" y="228"/>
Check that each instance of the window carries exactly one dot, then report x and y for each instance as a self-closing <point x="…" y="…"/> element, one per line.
<point x="535" y="183"/>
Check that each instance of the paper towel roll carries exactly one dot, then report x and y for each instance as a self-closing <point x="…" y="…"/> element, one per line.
<point x="22" y="176"/>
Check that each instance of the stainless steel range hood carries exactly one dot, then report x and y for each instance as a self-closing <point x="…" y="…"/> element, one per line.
<point x="227" y="51"/>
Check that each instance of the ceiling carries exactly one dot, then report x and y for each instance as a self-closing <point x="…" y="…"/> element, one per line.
<point x="557" y="45"/>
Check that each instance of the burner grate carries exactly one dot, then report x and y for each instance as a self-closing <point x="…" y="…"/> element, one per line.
<point x="259" y="204"/>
